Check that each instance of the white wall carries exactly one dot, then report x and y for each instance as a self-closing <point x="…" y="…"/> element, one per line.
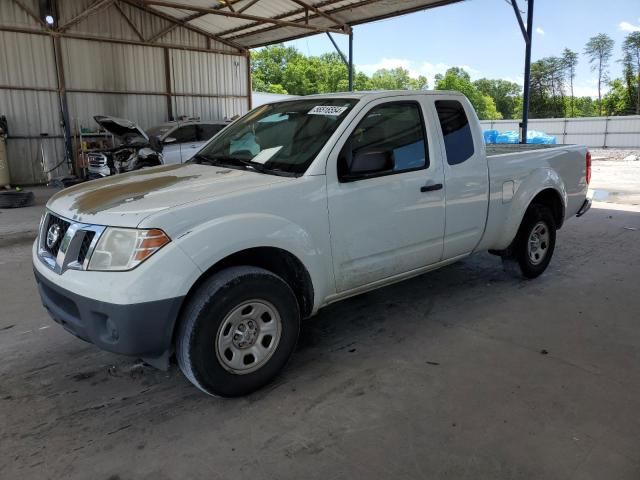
<point x="113" y="72"/>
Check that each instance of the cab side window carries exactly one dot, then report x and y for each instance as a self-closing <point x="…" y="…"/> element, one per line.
<point x="208" y="130"/>
<point x="389" y="139"/>
<point x="458" y="141"/>
<point x="185" y="134"/>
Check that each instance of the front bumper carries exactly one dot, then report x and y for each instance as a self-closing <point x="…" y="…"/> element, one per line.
<point x="586" y="205"/>
<point x="140" y="329"/>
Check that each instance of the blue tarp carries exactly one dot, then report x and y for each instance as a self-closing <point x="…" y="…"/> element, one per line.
<point x="534" y="136"/>
<point x="490" y="136"/>
<point x="511" y="136"/>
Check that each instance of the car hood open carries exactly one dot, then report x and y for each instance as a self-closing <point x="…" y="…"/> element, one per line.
<point x="125" y="200"/>
<point x="121" y="127"/>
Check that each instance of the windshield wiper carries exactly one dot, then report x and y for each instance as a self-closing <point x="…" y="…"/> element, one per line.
<point x="229" y="161"/>
<point x="242" y="162"/>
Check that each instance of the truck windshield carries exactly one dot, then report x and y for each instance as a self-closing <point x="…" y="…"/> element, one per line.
<point x="280" y="137"/>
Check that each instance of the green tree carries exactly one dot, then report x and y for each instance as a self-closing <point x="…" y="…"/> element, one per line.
<point x="631" y="62"/>
<point x="616" y="101"/>
<point x="268" y="65"/>
<point x="457" y="79"/>
<point x="396" y="79"/>
<point x="599" y="50"/>
<point x="505" y="94"/>
<point x="547" y="88"/>
<point x="570" y="62"/>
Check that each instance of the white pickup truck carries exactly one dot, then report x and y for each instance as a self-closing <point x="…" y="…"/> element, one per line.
<point x="294" y="206"/>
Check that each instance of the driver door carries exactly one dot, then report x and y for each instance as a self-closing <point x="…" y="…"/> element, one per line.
<point x="386" y="196"/>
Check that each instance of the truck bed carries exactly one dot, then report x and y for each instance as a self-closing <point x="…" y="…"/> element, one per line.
<point x="494" y="149"/>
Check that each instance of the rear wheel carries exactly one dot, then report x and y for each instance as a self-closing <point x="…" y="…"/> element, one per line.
<point x="533" y="247"/>
<point x="238" y="331"/>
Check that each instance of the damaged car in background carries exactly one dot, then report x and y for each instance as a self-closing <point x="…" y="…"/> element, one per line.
<point x="165" y="144"/>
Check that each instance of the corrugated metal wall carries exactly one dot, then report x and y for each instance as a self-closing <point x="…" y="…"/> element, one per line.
<point x="596" y="132"/>
<point x="111" y="70"/>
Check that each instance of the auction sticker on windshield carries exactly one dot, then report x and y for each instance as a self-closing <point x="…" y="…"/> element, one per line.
<point x="327" y="110"/>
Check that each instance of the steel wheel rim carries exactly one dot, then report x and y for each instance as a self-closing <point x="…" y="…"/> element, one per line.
<point x="538" y="243"/>
<point x="248" y="336"/>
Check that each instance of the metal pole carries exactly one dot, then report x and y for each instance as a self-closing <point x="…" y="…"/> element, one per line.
<point x="350" y="67"/>
<point x="64" y="106"/>
<point x="527" y="74"/>
<point x="344" y="59"/>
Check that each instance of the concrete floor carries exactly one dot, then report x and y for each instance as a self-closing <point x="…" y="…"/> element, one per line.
<point x="464" y="373"/>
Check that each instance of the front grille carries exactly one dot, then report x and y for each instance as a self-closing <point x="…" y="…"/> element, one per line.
<point x="63" y="226"/>
<point x="84" y="247"/>
<point x="65" y="244"/>
<point x="97" y="160"/>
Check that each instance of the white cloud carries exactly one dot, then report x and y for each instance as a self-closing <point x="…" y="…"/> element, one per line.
<point x="539" y="31"/>
<point x="415" y="69"/>
<point x="585" y="91"/>
<point x="629" y="27"/>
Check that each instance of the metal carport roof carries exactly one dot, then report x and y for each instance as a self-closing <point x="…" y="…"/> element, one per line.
<point x="246" y="24"/>
<point x="254" y="23"/>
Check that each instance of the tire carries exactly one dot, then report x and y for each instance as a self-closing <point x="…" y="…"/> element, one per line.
<point x="533" y="247"/>
<point x="14" y="199"/>
<point x="227" y="320"/>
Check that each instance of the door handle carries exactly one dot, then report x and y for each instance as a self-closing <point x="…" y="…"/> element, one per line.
<point x="431" y="188"/>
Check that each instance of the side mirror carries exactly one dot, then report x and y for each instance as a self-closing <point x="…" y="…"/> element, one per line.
<point x="155" y="144"/>
<point x="365" y="163"/>
<point x="169" y="140"/>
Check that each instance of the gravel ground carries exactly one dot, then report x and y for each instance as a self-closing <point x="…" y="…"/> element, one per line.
<point x="614" y="154"/>
<point x="462" y="373"/>
<point x="615" y="180"/>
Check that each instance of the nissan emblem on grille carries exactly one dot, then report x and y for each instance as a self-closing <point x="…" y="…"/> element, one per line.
<point x="65" y="244"/>
<point x="53" y="235"/>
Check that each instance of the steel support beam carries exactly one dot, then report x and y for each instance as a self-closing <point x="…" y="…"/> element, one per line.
<point x="168" y="82"/>
<point x="348" y="61"/>
<point x="184" y="23"/>
<point x="92" y="9"/>
<point x="128" y="21"/>
<point x="241" y="16"/>
<point x="527" y="34"/>
<point x="527" y="75"/>
<point x="247" y="6"/>
<point x="64" y="105"/>
<point x="350" y="66"/>
<point x="317" y="11"/>
<point x="92" y="38"/>
<point x="335" y="45"/>
<point x="30" y="12"/>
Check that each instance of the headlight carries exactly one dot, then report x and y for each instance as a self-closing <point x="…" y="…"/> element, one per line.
<point x="126" y="248"/>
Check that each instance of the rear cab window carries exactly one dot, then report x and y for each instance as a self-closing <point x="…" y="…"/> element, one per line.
<point x="456" y="130"/>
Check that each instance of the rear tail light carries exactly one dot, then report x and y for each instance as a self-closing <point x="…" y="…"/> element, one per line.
<point x="588" y="161"/>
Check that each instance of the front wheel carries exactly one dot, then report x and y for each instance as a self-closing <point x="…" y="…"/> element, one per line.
<point x="238" y="331"/>
<point x="533" y="247"/>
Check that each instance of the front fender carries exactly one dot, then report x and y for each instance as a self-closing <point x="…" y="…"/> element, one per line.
<point x="219" y="238"/>
<point x="525" y="191"/>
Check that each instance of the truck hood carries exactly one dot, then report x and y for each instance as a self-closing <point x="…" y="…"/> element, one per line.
<point x="125" y="200"/>
<point x="120" y="127"/>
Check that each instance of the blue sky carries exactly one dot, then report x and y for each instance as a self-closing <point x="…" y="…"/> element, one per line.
<point x="483" y="36"/>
